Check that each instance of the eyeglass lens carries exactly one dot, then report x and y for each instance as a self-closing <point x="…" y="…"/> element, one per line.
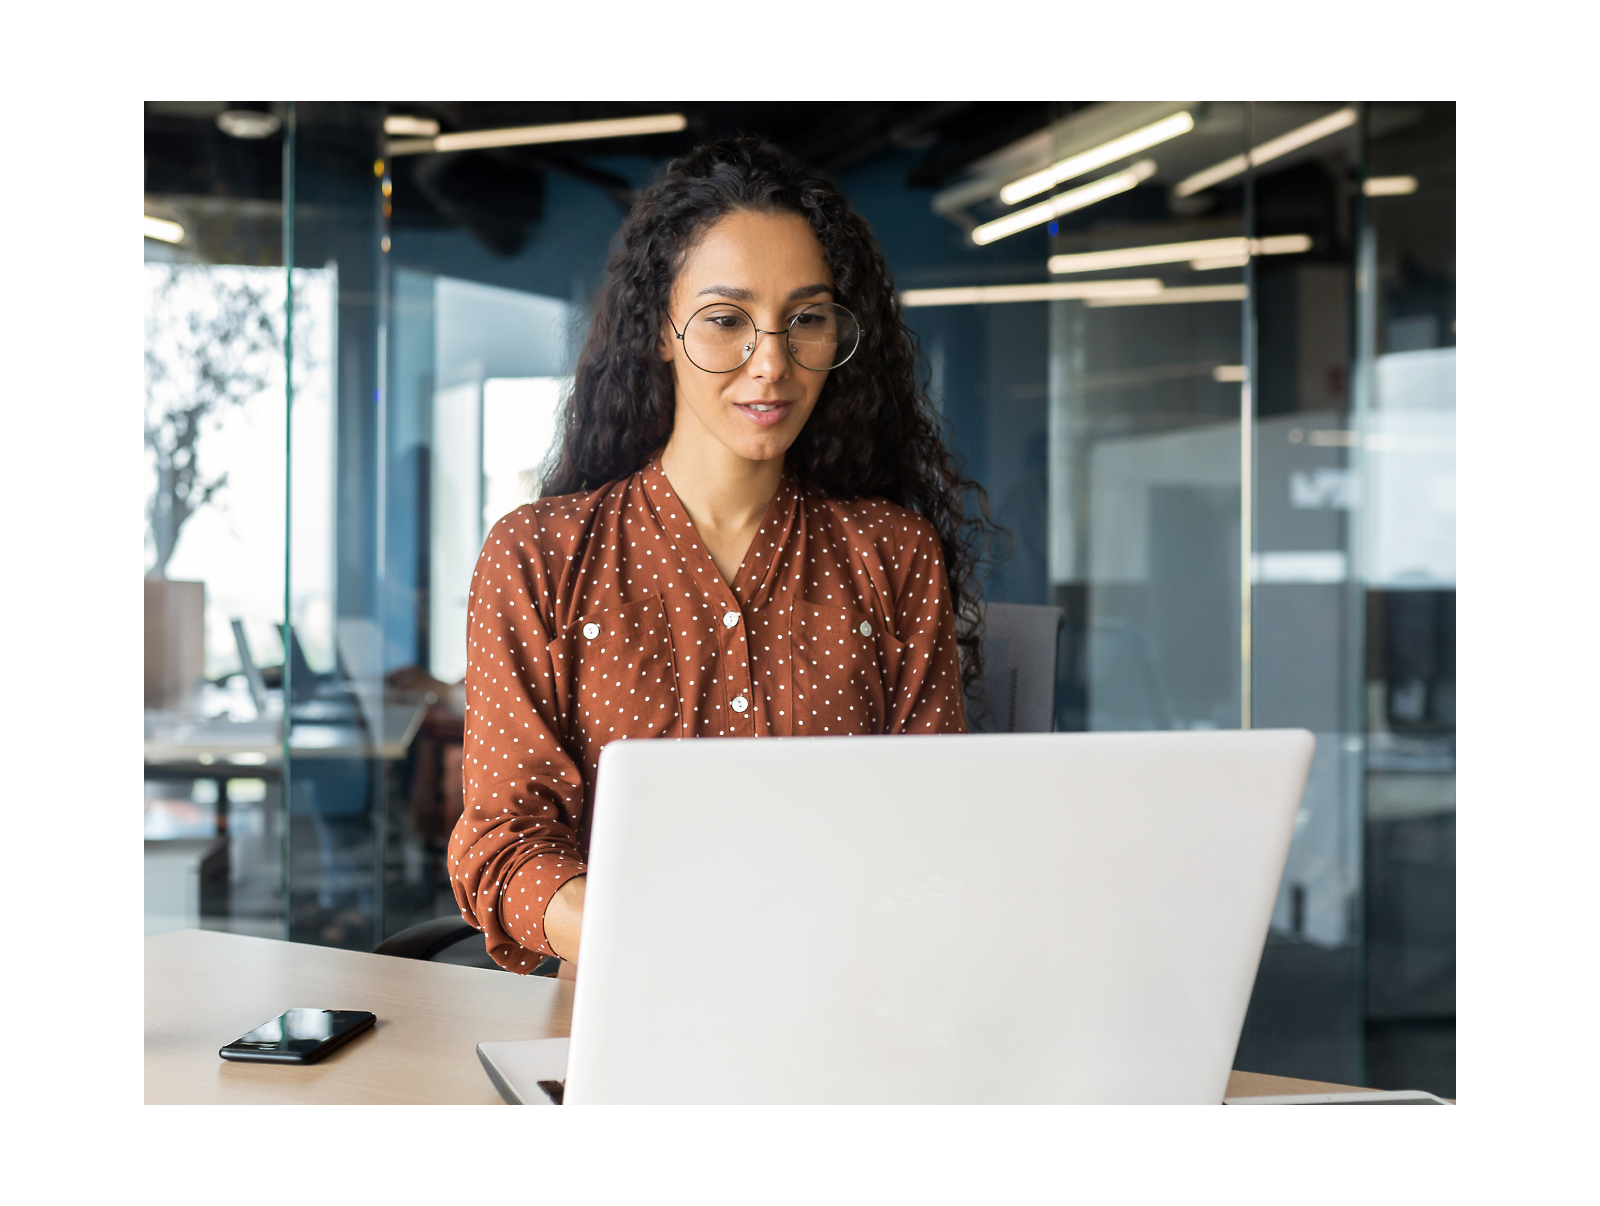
<point x="720" y="337"/>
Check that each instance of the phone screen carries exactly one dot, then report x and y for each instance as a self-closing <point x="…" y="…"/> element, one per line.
<point x="299" y="1036"/>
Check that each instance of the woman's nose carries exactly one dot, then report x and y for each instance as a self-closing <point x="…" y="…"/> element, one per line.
<point x="770" y="360"/>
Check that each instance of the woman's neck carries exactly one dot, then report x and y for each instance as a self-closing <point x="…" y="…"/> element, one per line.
<point x="726" y="496"/>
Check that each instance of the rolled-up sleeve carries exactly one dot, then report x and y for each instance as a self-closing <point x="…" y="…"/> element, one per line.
<point x="517" y="840"/>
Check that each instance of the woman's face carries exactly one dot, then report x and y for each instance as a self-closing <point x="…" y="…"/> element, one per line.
<point x="771" y="266"/>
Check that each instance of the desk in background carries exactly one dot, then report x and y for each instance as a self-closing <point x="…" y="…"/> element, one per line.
<point x="186" y="747"/>
<point x="336" y="764"/>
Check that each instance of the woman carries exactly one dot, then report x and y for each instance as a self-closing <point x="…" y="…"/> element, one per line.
<point x="753" y="528"/>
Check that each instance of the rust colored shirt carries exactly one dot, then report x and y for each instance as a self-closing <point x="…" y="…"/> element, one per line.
<point x="597" y="617"/>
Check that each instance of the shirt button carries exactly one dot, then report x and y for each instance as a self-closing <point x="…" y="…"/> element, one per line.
<point x="866" y="628"/>
<point x="740" y="703"/>
<point x="729" y="619"/>
<point x="591" y="631"/>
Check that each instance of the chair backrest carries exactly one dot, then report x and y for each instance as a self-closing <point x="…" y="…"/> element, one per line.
<point x="1019" y="651"/>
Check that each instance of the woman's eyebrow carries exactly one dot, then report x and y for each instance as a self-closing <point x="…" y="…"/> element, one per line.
<point x="735" y="293"/>
<point x="731" y="292"/>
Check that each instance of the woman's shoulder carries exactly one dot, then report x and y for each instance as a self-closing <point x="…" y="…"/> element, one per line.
<point x="557" y="524"/>
<point x="889" y="527"/>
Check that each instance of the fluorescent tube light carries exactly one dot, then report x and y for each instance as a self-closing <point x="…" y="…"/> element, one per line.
<point x="1271" y="149"/>
<point x="979" y="295"/>
<point x="1390" y="186"/>
<point x="406" y="125"/>
<point x="1223" y="261"/>
<point x="1095" y="157"/>
<point x="1228" y="374"/>
<point x="247" y="123"/>
<point x="1235" y="248"/>
<point x="1281" y="245"/>
<point x="1064" y="203"/>
<point x="1172" y="297"/>
<point x="160" y="228"/>
<point x="521" y="136"/>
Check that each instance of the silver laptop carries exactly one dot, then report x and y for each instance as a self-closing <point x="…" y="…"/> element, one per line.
<point x="1006" y="918"/>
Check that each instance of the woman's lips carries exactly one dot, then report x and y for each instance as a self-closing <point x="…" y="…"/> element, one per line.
<point x="764" y="414"/>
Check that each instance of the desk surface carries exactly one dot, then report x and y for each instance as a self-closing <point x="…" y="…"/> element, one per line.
<point x="203" y="988"/>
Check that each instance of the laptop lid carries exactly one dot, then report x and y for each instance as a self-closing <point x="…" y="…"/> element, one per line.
<point x="1001" y="918"/>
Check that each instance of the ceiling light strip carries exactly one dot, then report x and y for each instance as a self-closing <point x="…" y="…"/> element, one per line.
<point x="1064" y="203"/>
<point x="1096" y="157"/>
<point x="1271" y="149"/>
<point x="1390" y="186"/>
<point x="160" y="228"/>
<point x="1235" y="249"/>
<point x="1172" y="297"/>
<point x="407" y="125"/>
<point x="521" y="136"/>
<point x="1221" y="261"/>
<point x="1138" y="257"/>
<point x="980" y="295"/>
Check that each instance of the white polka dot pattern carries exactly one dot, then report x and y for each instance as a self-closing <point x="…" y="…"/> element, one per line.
<point x="597" y="617"/>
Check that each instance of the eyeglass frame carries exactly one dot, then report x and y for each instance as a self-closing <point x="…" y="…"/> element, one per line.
<point x="679" y="335"/>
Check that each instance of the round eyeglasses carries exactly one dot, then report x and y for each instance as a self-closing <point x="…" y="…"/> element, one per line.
<point x="721" y="337"/>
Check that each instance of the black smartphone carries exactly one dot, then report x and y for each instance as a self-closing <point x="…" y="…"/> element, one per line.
<point x="299" y="1036"/>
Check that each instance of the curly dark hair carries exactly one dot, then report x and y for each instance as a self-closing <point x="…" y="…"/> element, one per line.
<point x="874" y="432"/>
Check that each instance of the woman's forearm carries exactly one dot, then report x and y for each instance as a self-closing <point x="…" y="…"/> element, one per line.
<point x="563" y="919"/>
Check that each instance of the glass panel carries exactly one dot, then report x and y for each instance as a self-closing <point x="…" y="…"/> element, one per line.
<point x="1305" y="613"/>
<point x="214" y="440"/>
<point x="1145" y="404"/>
<point x="1407" y="562"/>
<point x="477" y="375"/>
<point x="392" y="487"/>
<point x="343" y="732"/>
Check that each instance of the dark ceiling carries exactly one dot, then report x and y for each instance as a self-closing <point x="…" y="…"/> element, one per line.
<point x="499" y="194"/>
<point x="833" y="136"/>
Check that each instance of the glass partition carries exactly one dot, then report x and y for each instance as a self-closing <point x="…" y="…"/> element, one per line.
<point x="342" y="733"/>
<point x="454" y="351"/>
<point x="1198" y="538"/>
<point x="1211" y="484"/>
<point x="1405" y="540"/>
<point x="214" y="315"/>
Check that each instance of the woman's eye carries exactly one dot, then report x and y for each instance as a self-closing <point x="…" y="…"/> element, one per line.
<point x="725" y="322"/>
<point x="806" y="320"/>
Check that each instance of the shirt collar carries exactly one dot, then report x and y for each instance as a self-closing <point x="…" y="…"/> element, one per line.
<point x="774" y="533"/>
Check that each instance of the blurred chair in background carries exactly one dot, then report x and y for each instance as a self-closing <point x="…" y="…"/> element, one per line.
<point x="1020" y="647"/>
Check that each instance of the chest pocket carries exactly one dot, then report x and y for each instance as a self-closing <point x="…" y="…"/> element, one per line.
<point x="844" y="661"/>
<point x="623" y="680"/>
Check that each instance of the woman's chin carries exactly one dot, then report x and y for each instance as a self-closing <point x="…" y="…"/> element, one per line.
<point x="764" y="445"/>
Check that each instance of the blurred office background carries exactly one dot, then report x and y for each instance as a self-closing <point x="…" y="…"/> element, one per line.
<point x="1201" y="354"/>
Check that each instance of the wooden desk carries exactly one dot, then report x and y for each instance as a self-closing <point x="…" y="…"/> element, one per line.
<point x="203" y="989"/>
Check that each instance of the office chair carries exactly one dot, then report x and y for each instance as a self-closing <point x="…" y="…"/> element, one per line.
<point x="430" y="939"/>
<point x="1020" y="647"/>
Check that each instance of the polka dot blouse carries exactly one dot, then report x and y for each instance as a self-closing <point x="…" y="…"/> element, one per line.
<point x="596" y="617"/>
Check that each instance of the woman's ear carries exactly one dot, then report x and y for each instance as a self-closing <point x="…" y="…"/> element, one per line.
<point x="664" y="344"/>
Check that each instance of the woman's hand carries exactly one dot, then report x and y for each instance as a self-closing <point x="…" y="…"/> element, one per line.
<point x="563" y="920"/>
